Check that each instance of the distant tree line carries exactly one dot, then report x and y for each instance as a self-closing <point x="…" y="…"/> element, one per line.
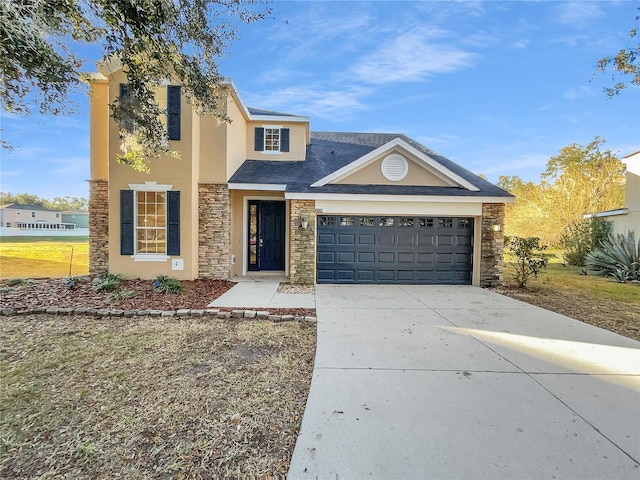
<point x="57" y="203"/>
<point x="579" y="180"/>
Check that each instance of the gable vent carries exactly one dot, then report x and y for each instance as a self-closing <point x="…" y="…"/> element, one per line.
<point x="394" y="167"/>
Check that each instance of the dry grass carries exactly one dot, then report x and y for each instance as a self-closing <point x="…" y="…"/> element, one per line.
<point x="151" y="398"/>
<point x="37" y="257"/>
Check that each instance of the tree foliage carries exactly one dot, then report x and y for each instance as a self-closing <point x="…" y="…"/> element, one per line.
<point x="153" y="40"/>
<point x="625" y="66"/>
<point x="581" y="237"/>
<point x="57" y="203"/>
<point x="579" y="180"/>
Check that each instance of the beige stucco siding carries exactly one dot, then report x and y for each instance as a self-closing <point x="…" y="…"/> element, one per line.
<point x="371" y="174"/>
<point x="99" y="133"/>
<point x="180" y="173"/>
<point x="236" y="144"/>
<point x="14" y="215"/>
<point x="239" y="199"/>
<point x="631" y="221"/>
<point x="297" y="147"/>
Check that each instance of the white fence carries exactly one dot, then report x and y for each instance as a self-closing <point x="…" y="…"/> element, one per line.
<point x="43" y="232"/>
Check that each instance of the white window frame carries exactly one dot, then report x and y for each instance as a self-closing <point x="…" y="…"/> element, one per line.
<point x="148" y="187"/>
<point x="264" y="146"/>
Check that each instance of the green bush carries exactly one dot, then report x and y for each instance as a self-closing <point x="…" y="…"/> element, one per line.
<point x="166" y="284"/>
<point x="618" y="256"/>
<point x="583" y="236"/>
<point x="528" y="262"/>
<point x="107" y="282"/>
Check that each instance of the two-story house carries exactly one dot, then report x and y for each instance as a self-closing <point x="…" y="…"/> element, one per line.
<point x="265" y="193"/>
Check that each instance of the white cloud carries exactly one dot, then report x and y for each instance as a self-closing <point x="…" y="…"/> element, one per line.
<point x="411" y="57"/>
<point x="579" y="92"/>
<point x="316" y="100"/>
<point x="577" y="14"/>
<point x="70" y="166"/>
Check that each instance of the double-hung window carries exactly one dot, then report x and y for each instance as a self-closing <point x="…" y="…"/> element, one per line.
<point x="150" y="222"/>
<point x="168" y="98"/>
<point x="271" y="139"/>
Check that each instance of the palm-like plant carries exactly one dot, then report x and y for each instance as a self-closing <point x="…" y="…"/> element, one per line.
<point x="618" y="256"/>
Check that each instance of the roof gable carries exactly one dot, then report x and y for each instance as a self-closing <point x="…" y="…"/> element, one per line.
<point x="435" y="168"/>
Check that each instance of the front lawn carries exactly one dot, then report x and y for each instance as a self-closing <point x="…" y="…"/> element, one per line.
<point x="600" y="301"/>
<point x="37" y="257"/>
<point x="163" y="397"/>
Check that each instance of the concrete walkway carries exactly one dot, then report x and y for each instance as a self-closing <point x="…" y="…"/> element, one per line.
<point x="459" y="382"/>
<point x="262" y="292"/>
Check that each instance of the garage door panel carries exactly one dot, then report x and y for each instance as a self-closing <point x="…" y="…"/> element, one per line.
<point x="348" y="239"/>
<point x="326" y="239"/>
<point x="366" y="257"/>
<point x="326" y="257"/>
<point x="366" y="275"/>
<point x="366" y="239"/>
<point x="386" y="276"/>
<point x="386" y="239"/>
<point x="406" y="257"/>
<point x="405" y="250"/>
<point x="346" y="257"/>
<point x="386" y="257"/>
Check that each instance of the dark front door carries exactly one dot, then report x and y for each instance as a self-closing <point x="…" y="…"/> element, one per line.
<point x="266" y="235"/>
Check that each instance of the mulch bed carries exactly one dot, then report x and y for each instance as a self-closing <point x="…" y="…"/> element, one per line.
<point x="53" y="292"/>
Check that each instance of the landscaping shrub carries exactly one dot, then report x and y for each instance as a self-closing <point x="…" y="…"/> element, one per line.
<point x="583" y="236"/>
<point x="166" y="284"/>
<point x="107" y="282"/>
<point x="618" y="256"/>
<point x="528" y="261"/>
<point x="120" y="295"/>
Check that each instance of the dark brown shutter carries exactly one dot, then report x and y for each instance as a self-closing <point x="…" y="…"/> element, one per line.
<point x="173" y="112"/>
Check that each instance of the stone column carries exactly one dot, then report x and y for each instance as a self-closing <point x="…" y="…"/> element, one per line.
<point x="98" y="227"/>
<point x="214" y="232"/>
<point x="491" y="263"/>
<point x="302" y="253"/>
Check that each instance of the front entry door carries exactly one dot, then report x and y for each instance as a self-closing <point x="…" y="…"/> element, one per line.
<point x="266" y="235"/>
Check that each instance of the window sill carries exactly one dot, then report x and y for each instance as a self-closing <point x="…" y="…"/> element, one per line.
<point x="272" y="152"/>
<point x="149" y="258"/>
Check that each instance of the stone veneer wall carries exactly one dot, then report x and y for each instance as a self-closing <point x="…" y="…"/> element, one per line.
<point x="98" y="227"/>
<point x="302" y="256"/>
<point x="491" y="263"/>
<point x="214" y="231"/>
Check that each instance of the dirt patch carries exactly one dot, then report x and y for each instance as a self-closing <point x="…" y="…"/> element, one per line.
<point x="615" y="316"/>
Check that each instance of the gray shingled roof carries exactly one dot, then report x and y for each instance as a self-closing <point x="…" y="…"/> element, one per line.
<point x="330" y="151"/>
<point x="259" y="111"/>
<point x="19" y="206"/>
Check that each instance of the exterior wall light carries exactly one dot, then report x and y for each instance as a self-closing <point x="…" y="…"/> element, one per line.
<point x="304" y="221"/>
<point x="495" y="226"/>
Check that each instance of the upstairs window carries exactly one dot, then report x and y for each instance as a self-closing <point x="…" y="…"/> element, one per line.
<point x="168" y="97"/>
<point x="271" y="139"/>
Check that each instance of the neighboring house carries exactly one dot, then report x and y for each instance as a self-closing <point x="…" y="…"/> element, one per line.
<point x="264" y="193"/>
<point x="32" y="220"/>
<point x="79" y="218"/>
<point x="626" y="219"/>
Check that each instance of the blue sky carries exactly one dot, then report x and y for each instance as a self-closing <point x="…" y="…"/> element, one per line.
<point x="497" y="87"/>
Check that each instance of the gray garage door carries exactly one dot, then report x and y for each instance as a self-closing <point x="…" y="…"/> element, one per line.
<point x="403" y="250"/>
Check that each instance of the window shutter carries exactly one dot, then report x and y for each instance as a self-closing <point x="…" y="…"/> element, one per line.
<point x="126" y="222"/>
<point x="284" y="139"/>
<point x="124" y="90"/>
<point x="173" y="112"/>
<point x="173" y="223"/>
<point x="258" y="144"/>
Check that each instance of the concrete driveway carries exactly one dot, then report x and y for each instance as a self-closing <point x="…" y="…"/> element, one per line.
<point x="460" y="382"/>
